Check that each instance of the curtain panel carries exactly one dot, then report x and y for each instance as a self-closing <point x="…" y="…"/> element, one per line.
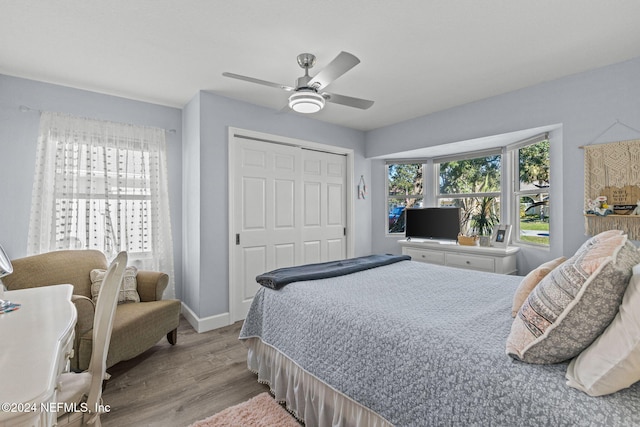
<point x="102" y="185"/>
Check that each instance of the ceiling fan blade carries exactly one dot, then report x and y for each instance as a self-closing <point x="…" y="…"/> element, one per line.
<point x="349" y="101"/>
<point x="258" y="81"/>
<point x="340" y="65"/>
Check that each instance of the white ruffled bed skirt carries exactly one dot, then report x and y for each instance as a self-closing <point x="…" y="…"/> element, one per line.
<point x="306" y="397"/>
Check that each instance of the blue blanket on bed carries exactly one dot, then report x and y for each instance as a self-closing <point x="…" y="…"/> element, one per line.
<point x="424" y="345"/>
<point x="276" y="279"/>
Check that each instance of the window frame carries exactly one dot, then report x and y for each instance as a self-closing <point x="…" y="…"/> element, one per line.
<point x="509" y="193"/>
<point x="389" y="198"/>
<point x="470" y="155"/>
<point x="517" y="193"/>
<point x="134" y="190"/>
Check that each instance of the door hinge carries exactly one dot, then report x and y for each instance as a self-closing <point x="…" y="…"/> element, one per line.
<point x="344" y="231"/>
<point x="237" y="238"/>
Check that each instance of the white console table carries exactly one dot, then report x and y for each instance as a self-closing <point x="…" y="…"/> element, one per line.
<point x="493" y="259"/>
<point x="37" y="343"/>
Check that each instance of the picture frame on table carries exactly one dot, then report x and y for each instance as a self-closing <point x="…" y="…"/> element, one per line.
<point x="501" y="235"/>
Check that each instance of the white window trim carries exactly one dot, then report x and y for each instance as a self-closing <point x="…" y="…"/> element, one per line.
<point x="516" y="193"/>
<point x="509" y="182"/>
<point x="409" y="196"/>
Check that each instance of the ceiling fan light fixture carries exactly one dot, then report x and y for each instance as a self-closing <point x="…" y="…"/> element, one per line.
<point x="306" y="101"/>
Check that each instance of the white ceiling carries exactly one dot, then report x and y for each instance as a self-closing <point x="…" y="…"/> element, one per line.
<point x="417" y="56"/>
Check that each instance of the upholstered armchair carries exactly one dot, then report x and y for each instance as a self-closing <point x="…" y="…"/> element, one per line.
<point x="137" y="325"/>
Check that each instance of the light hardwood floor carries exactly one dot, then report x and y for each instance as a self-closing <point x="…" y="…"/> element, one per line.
<point x="177" y="385"/>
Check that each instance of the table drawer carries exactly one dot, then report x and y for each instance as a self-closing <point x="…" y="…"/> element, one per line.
<point x="471" y="261"/>
<point x="432" y="257"/>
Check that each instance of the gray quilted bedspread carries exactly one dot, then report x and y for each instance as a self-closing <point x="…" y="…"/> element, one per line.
<point x="424" y="345"/>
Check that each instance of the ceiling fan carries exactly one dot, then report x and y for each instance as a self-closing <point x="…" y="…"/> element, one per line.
<point x="308" y="94"/>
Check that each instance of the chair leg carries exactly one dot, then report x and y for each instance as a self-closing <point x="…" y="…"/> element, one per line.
<point x="172" y="337"/>
<point x="105" y="379"/>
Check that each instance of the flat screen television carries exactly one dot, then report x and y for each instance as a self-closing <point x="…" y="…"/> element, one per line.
<point x="433" y="223"/>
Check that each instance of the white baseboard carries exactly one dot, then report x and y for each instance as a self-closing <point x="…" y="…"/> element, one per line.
<point x="206" y="324"/>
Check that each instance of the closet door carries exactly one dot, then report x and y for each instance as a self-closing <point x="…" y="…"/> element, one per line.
<point x="324" y="212"/>
<point x="289" y="208"/>
<point x="267" y="212"/>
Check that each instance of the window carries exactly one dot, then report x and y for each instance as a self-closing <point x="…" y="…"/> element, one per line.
<point x="405" y="184"/>
<point x="532" y="192"/>
<point x="515" y="178"/>
<point x="102" y="208"/>
<point x="102" y="185"/>
<point x="471" y="182"/>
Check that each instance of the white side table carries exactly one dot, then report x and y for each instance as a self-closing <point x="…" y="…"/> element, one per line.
<point x="495" y="260"/>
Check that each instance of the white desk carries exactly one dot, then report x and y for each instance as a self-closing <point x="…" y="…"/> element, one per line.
<point x="37" y="342"/>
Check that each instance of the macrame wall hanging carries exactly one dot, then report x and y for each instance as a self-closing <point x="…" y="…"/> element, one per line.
<point x="612" y="188"/>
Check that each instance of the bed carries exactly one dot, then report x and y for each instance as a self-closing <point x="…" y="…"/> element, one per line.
<point x="411" y="344"/>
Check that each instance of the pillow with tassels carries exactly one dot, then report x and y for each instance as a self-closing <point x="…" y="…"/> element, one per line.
<point x="128" y="289"/>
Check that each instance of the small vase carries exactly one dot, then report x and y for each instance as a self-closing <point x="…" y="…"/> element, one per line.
<point x="485" y="241"/>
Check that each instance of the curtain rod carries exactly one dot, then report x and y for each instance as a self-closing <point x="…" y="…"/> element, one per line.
<point x="26" y="109"/>
<point x="617" y="122"/>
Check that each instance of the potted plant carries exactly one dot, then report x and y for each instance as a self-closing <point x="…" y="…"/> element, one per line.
<point x="483" y="221"/>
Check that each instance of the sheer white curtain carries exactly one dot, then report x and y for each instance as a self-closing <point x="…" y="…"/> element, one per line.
<point x="102" y="185"/>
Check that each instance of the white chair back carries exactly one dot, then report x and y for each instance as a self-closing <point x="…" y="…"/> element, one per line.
<point x="103" y="325"/>
<point x="73" y="387"/>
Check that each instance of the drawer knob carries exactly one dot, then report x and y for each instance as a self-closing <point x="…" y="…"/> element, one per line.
<point x="468" y="262"/>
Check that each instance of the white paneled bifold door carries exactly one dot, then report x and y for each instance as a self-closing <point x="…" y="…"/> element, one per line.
<point x="289" y="208"/>
<point x="324" y="214"/>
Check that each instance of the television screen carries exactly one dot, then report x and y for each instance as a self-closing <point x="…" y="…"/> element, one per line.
<point x="433" y="223"/>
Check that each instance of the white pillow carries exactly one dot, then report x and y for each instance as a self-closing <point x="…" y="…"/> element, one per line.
<point x="612" y="362"/>
<point x="128" y="289"/>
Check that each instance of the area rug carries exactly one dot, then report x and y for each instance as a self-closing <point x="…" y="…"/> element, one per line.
<point x="260" y="411"/>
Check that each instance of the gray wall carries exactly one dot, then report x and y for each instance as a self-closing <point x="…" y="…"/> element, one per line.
<point x="198" y="147"/>
<point x="18" y="140"/>
<point x="208" y="248"/>
<point x="583" y="106"/>
<point x="191" y="204"/>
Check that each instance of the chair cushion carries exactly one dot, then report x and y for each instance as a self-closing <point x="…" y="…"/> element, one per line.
<point x="128" y="289"/>
<point x="73" y="387"/>
<point x="574" y="303"/>
<point x="136" y="328"/>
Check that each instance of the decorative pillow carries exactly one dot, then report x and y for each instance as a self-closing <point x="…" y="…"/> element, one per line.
<point x="612" y="362"/>
<point x="599" y="238"/>
<point x="574" y="303"/>
<point x="531" y="280"/>
<point x="128" y="289"/>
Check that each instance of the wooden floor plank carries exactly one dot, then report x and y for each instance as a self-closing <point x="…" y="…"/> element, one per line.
<point x="177" y="385"/>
